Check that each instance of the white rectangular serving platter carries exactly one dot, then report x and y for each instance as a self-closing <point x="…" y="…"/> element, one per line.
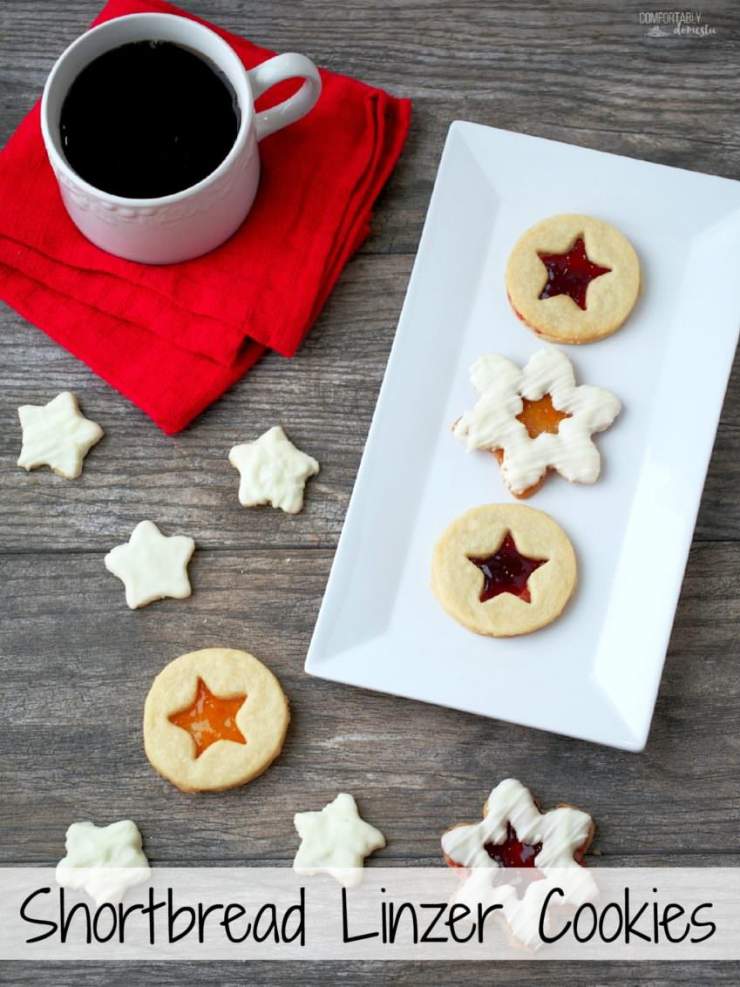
<point x="594" y="673"/>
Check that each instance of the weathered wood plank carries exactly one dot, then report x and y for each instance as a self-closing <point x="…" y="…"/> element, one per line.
<point x="364" y="974"/>
<point x="77" y="665"/>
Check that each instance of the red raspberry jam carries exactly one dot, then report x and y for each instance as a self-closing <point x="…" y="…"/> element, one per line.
<point x="506" y="571"/>
<point x="512" y="852"/>
<point x="570" y="273"/>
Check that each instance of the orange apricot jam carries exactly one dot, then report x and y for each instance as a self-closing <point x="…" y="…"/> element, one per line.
<point x="210" y="718"/>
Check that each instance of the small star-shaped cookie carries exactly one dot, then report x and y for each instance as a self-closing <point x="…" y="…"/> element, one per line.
<point x="103" y="860"/>
<point x="272" y="471"/>
<point x="335" y="841"/>
<point x="151" y="565"/>
<point x="58" y="435"/>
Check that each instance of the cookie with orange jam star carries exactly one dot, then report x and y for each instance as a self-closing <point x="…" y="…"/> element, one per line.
<point x="504" y="569"/>
<point x="214" y="719"/>
<point x="536" y="420"/>
<point x="573" y="279"/>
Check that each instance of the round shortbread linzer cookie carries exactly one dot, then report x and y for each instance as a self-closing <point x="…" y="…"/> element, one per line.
<point x="504" y="569"/>
<point x="214" y="719"/>
<point x="573" y="279"/>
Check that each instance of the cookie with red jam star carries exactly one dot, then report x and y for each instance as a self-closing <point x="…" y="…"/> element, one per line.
<point x="573" y="278"/>
<point x="504" y="569"/>
<point x="545" y="848"/>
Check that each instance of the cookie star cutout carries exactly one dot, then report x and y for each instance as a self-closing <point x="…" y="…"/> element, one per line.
<point x="335" y="841"/>
<point x="273" y="471"/>
<point x="57" y="435"/>
<point x="152" y="566"/>
<point x="570" y="273"/>
<point x="104" y="861"/>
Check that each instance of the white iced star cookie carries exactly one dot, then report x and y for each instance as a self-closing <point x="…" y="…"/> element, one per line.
<point x="515" y="834"/>
<point x="57" y="435"/>
<point x="335" y="841"/>
<point x="152" y="566"/>
<point x="272" y="471"/>
<point x="103" y="860"/>
<point x="536" y="419"/>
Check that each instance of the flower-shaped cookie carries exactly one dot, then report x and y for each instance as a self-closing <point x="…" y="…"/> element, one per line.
<point x="335" y="841"/>
<point x="515" y="834"/>
<point x="536" y="419"/>
<point x="103" y="860"/>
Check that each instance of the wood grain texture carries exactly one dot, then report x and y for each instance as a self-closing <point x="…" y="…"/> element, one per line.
<point x="77" y="663"/>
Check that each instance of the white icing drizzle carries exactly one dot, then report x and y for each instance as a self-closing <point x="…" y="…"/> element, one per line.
<point x="561" y="832"/>
<point x="492" y="424"/>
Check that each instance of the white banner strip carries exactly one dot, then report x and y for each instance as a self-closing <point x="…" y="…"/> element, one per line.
<point x="394" y="914"/>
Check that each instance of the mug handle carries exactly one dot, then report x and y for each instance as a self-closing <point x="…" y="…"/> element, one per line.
<point x="287" y="66"/>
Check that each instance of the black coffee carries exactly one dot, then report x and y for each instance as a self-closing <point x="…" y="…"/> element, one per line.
<point x="148" y="119"/>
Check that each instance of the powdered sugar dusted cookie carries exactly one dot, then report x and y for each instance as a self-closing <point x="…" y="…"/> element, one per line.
<point x="273" y="471"/>
<point x="504" y="569"/>
<point x="335" y="841"/>
<point x="151" y="565"/>
<point x="103" y="860"/>
<point x="536" y="419"/>
<point x="573" y="279"/>
<point x="214" y="719"/>
<point x="57" y="435"/>
<point x="515" y="834"/>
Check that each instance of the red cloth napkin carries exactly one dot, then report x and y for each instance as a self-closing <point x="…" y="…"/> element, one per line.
<point x="173" y="338"/>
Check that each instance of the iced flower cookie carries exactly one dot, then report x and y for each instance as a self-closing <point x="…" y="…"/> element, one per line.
<point x="515" y="834"/>
<point x="503" y="570"/>
<point x="536" y="419"/>
<point x="214" y="719"/>
<point x="57" y="435"/>
<point x="335" y="841"/>
<point x="573" y="279"/>
<point x="105" y="861"/>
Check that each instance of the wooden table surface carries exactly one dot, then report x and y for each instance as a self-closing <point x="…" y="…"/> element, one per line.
<point x="77" y="664"/>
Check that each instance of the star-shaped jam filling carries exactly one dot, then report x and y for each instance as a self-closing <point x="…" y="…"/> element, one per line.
<point x="506" y="571"/>
<point x="513" y="853"/>
<point x="570" y="273"/>
<point x="210" y="718"/>
<point x="541" y="416"/>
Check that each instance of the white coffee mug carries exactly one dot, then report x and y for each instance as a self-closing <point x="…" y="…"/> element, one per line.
<point x="188" y="223"/>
